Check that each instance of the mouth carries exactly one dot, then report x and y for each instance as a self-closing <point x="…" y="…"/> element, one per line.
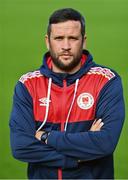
<point x="66" y="55"/>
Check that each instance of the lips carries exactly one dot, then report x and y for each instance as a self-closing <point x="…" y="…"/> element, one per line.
<point x="65" y="54"/>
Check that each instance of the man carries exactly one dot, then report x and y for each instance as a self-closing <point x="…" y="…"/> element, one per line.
<point x="56" y="121"/>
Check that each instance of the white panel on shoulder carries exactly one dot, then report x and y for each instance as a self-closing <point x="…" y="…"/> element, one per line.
<point x="30" y="75"/>
<point x="102" y="71"/>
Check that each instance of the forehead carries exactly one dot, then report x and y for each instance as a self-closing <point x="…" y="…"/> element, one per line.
<point x="68" y="27"/>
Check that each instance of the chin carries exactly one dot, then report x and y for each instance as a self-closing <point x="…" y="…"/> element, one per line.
<point x="66" y="61"/>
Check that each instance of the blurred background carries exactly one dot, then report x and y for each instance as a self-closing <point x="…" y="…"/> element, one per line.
<point x="22" y="29"/>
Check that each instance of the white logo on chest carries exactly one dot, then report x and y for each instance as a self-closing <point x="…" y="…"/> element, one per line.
<point x="85" y="101"/>
<point x="43" y="101"/>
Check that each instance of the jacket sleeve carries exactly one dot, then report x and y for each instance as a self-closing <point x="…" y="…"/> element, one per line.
<point x="93" y="145"/>
<point x="24" y="145"/>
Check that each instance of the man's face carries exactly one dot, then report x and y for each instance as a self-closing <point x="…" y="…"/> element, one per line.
<point x="65" y="45"/>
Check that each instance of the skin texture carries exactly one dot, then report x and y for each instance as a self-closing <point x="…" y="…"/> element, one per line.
<point x="65" y="45"/>
<point x="96" y="126"/>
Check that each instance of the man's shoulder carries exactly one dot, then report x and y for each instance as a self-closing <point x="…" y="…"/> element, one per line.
<point x="30" y="75"/>
<point x="103" y="71"/>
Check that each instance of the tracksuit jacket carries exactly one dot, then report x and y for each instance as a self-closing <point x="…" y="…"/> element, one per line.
<point x="66" y="105"/>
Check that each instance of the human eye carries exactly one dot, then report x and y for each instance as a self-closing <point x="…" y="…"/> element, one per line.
<point x="58" y="38"/>
<point x="73" y="38"/>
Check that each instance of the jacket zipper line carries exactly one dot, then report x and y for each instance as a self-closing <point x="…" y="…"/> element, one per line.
<point x="63" y="121"/>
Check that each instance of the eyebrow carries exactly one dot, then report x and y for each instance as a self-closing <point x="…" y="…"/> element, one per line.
<point x="69" y="37"/>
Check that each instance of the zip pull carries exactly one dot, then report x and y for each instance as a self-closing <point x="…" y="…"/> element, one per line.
<point x="64" y="83"/>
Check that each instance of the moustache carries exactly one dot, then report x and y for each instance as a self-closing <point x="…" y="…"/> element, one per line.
<point x="66" y="53"/>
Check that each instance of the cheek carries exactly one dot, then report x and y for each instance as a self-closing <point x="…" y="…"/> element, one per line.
<point x="77" y="47"/>
<point x="55" y="47"/>
<point x="54" y="51"/>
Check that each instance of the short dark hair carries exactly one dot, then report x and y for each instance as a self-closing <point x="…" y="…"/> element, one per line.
<point x="63" y="15"/>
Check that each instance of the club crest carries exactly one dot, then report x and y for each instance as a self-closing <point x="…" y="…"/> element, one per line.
<point x="85" y="101"/>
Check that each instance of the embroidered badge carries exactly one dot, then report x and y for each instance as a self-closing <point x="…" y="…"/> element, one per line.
<point x="85" y="101"/>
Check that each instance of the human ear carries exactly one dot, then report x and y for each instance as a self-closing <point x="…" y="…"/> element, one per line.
<point x="47" y="41"/>
<point x="84" y="41"/>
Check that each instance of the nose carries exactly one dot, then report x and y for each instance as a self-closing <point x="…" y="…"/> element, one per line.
<point x="66" y="45"/>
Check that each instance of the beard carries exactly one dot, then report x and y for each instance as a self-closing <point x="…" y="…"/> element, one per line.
<point x="67" y="67"/>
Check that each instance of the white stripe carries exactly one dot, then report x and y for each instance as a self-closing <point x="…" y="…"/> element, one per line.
<point x="47" y="105"/>
<point x="75" y="91"/>
<point x="30" y="75"/>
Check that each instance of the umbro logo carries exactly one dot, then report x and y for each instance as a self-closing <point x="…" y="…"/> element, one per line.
<point x="43" y="101"/>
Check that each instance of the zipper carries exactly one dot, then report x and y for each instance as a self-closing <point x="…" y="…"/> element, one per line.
<point x="63" y="112"/>
<point x="63" y="122"/>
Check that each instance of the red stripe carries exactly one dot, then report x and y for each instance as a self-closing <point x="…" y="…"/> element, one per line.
<point x="62" y="129"/>
<point x="60" y="170"/>
<point x="59" y="174"/>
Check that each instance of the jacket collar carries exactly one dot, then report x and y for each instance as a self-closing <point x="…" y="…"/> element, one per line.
<point x="58" y="78"/>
